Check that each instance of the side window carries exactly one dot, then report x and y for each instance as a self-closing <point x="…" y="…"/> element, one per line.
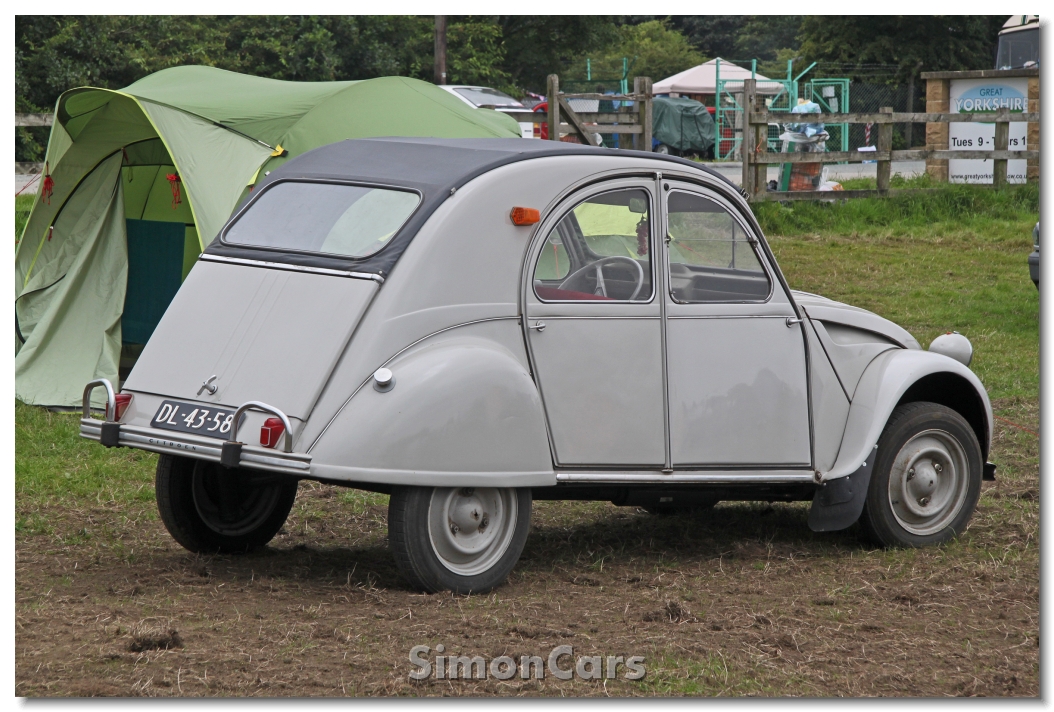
<point x="711" y="259"/>
<point x="599" y="251"/>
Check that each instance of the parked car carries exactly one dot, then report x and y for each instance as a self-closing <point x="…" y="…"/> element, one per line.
<point x="1033" y="259"/>
<point x="487" y="98"/>
<point x="469" y="325"/>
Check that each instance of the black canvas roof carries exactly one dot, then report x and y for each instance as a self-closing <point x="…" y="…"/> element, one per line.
<point x="434" y="167"/>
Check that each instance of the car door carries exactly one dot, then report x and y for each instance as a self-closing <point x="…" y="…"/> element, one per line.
<point x="736" y="358"/>
<point x="594" y="328"/>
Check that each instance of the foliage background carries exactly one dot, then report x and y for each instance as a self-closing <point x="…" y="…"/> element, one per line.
<point x="54" y="53"/>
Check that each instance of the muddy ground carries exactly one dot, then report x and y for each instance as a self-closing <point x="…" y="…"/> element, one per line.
<point x="743" y="600"/>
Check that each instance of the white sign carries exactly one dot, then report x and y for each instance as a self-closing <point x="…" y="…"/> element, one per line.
<point x="981" y="96"/>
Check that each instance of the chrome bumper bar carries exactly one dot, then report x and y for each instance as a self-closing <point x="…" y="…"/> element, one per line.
<point x="230" y="453"/>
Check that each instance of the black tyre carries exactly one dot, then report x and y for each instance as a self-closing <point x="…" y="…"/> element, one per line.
<point x="926" y="479"/>
<point x="210" y="509"/>
<point x="459" y="539"/>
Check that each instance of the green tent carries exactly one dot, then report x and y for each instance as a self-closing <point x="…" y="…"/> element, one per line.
<point x="143" y="178"/>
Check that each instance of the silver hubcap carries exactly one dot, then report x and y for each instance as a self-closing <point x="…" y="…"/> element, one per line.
<point x="929" y="482"/>
<point x="471" y="527"/>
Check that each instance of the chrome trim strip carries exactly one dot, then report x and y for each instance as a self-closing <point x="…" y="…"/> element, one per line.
<point x="199" y="447"/>
<point x="731" y="316"/>
<point x="292" y="268"/>
<point x="654" y="317"/>
<point x="659" y="240"/>
<point x="726" y="477"/>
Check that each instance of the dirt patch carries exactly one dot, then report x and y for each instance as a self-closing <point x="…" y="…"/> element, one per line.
<point x="743" y="600"/>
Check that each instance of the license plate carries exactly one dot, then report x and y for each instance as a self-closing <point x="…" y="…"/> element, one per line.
<point x="190" y="418"/>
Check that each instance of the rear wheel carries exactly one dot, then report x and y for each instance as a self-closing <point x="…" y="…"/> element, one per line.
<point x="926" y="480"/>
<point x="461" y="539"/>
<point x="210" y="509"/>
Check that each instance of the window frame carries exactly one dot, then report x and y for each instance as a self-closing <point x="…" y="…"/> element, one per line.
<point x="652" y="245"/>
<point x="752" y="241"/>
<point x="222" y="238"/>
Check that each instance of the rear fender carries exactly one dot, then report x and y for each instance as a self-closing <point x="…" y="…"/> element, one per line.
<point x="464" y="411"/>
<point x="919" y="375"/>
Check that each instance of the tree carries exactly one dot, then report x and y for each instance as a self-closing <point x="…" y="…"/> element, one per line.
<point x="539" y="45"/>
<point x="713" y="35"/>
<point x="652" y="49"/>
<point x="912" y="43"/>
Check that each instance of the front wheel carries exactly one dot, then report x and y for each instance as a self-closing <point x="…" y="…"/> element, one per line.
<point x="210" y="509"/>
<point x="926" y="480"/>
<point x="460" y="539"/>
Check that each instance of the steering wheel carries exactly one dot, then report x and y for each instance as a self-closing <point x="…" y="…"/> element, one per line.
<point x="599" y="267"/>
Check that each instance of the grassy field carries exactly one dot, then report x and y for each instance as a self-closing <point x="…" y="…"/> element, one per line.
<point x="742" y="601"/>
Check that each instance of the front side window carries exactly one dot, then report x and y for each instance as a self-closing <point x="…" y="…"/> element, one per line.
<point x="599" y="251"/>
<point x="330" y="218"/>
<point x="711" y="259"/>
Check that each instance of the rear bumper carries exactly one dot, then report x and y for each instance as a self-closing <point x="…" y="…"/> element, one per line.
<point x="188" y="445"/>
<point x="1033" y="266"/>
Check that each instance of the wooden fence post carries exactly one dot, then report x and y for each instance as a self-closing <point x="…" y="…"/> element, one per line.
<point x="1002" y="140"/>
<point x="885" y="143"/>
<point x="553" y="96"/>
<point x="746" y="150"/>
<point x="645" y="85"/>
<point x="637" y="89"/>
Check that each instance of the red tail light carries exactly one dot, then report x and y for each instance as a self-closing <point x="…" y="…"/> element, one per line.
<point x="121" y="403"/>
<point x="271" y="432"/>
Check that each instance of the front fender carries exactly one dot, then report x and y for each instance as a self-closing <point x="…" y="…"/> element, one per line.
<point x="883" y="384"/>
<point x="464" y="411"/>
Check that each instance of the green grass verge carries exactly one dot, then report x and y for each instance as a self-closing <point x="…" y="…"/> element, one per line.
<point x="953" y="258"/>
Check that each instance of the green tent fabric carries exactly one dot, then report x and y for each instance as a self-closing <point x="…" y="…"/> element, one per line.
<point x="72" y="306"/>
<point x="182" y="146"/>
<point x="683" y="124"/>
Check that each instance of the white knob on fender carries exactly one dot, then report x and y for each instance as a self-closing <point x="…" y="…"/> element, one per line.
<point x="953" y="345"/>
<point x="383" y="380"/>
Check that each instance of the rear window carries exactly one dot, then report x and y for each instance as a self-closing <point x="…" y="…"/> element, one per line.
<point x="330" y="218"/>
<point x="484" y="96"/>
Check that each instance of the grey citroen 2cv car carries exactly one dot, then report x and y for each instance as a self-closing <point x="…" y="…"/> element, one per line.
<point x="468" y="325"/>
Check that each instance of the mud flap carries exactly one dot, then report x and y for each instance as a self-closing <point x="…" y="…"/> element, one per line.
<point x="838" y="503"/>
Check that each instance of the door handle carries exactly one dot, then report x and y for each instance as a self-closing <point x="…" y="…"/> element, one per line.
<point x="792" y="320"/>
<point x="538" y="326"/>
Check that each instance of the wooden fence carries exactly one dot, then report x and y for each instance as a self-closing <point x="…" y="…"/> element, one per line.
<point x="633" y="118"/>
<point x="756" y="157"/>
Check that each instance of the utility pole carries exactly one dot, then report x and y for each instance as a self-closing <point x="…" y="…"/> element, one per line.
<point x="440" y="59"/>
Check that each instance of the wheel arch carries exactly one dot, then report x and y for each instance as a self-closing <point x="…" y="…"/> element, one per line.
<point x="904" y="376"/>
<point x="464" y="411"/>
<point x="954" y="391"/>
